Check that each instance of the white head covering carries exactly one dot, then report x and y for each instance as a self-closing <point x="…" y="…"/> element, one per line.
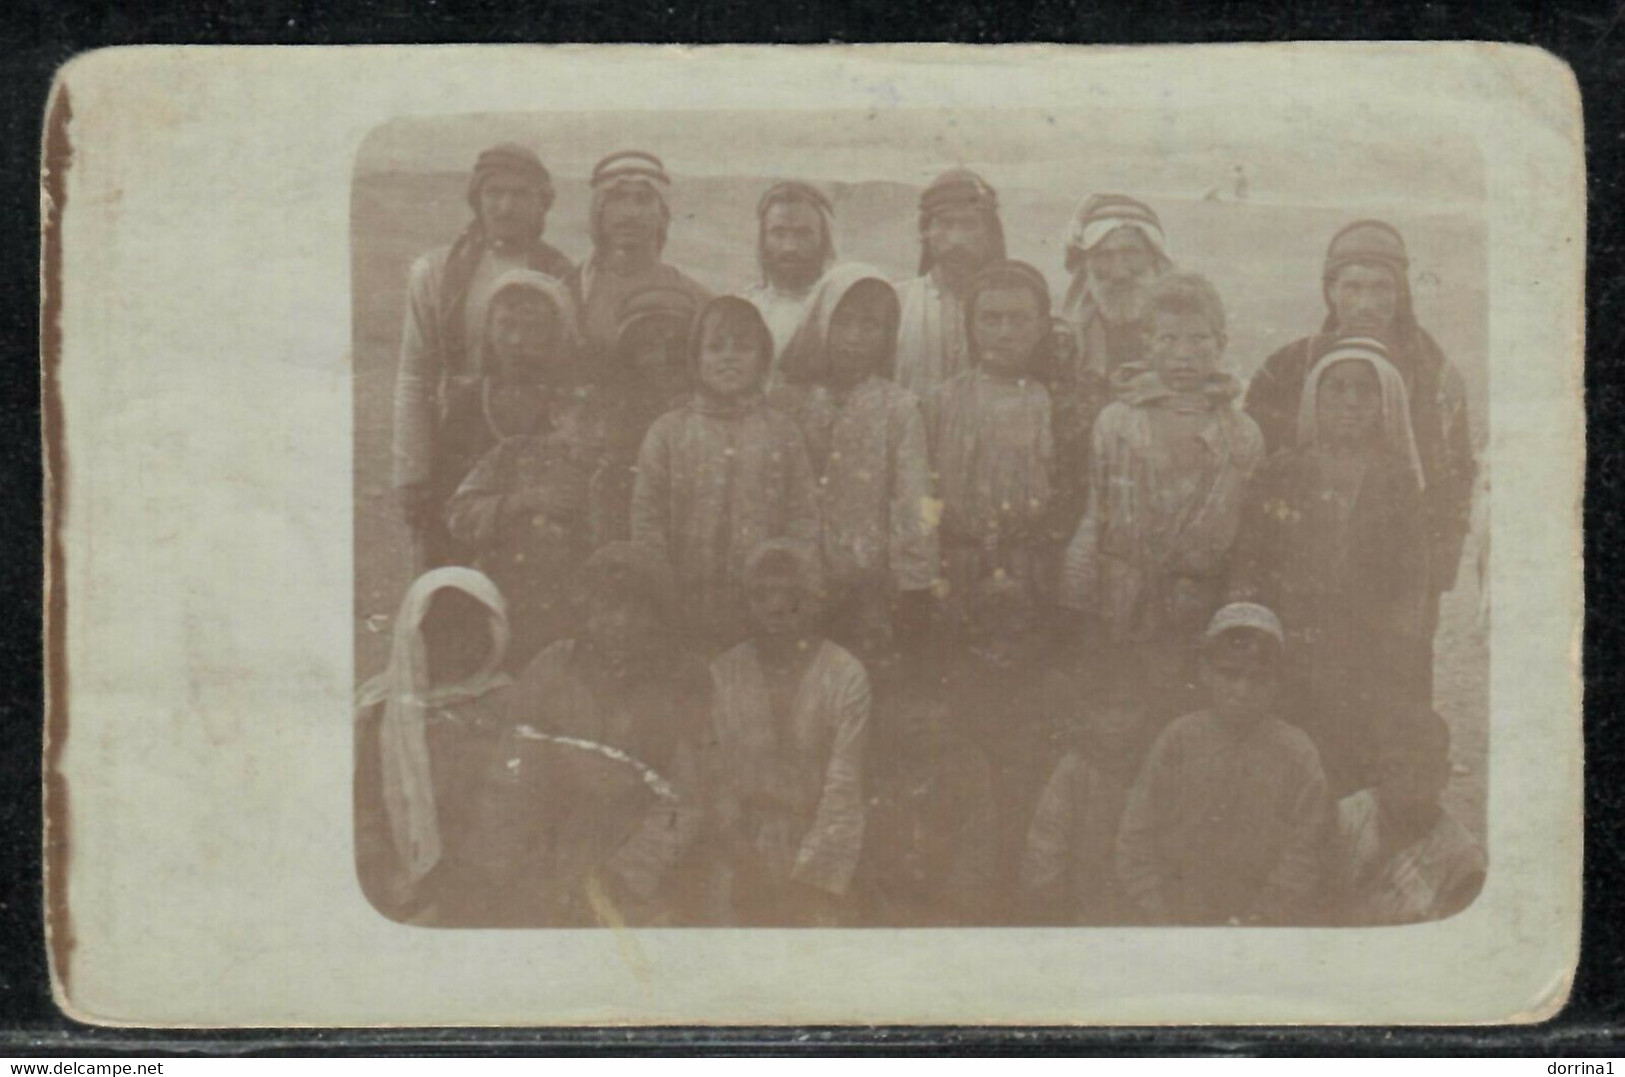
<point x="1396" y="407"/>
<point x="408" y="697"/>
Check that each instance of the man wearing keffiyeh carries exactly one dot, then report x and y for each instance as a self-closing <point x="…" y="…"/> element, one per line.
<point x="450" y="289"/>
<point x="630" y="219"/>
<point x="795" y="247"/>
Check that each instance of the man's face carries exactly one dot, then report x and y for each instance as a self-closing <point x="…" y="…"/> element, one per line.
<point x="621" y="628"/>
<point x="1365" y="299"/>
<point x="654" y="349"/>
<point x="859" y="332"/>
<point x="1008" y="323"/>
<point x="731" y="359"/>
<point x="779" y="606"/>
<point x="1183" y="348"/>
<point x="1121" y="268"/>
<point x="960" y="238"/>
<point x="792" y="244"/>
<point x="523" y="329"/>
<point x="631" y="215"/>
<point x="510" y="208"/>
<point x="1241" y="682"/>
<point x="1349" y="404"/>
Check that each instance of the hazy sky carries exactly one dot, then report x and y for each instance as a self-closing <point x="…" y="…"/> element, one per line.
<point x="1288" y="156"/>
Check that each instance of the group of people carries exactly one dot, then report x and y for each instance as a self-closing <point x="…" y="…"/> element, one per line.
<point x="844" y="602"/>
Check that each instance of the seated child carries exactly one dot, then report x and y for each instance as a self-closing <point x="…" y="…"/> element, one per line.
<point x="529" y="353"/>
<point x="790" y="726"/>
<point x="1224" y="825"/>
<point x="722" y="474"/>
<point x="989" y="431"/>
<point x="1170" y="460"/>
<point x="1333" y="540"/>
<point x="529" y="510"/>
<point x="424" y="730"/>
<point x="1399" y="857"/>
<point x="930" y="849"/>
<point x="593" y="801"/>
<point x="1067" y="875"/>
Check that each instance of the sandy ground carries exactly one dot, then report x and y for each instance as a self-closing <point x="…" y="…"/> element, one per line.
<point x="1273" y="298"/>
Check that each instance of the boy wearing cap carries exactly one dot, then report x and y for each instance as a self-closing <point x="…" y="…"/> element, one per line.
<point x="1169" y="464"/>
<point x="630" y="219"/>
<point x="1226" y="821"/>
<point x="1399" y="856"/>
<point x="443" y="337"/>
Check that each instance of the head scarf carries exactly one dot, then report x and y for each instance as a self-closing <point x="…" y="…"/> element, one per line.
<point x="624" y="168"/>
<point x="1008" y="274"/>
<point x="627" y="568"/>
<point x="806" y="357"/>
<point x="552" y="292"/>
<point x="696" y="334"/>
<point x="1396" y="410"/>
<point x="1370" y="243"/>
<point x="1102" y="214"/>
<point x="512" y="158"/>
<point x="959" y="188"/>
<point x="409" y="698"/>
<point x="791" y="191"/>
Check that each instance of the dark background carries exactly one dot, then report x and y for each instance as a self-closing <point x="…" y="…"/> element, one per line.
<point x="36" y="37"/>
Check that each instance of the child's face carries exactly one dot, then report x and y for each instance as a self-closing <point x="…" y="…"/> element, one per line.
<point x="858" y="332"/>
<point x="1241" y="682"/>
<point x="1184" y="349"/>
<point x="621" y="628"/>
<point x="1008" y="324"/>
<point x="1114" y="722"/>
<point x="587" y="431"/>
<point x="779" y="605"/>
<point x="522" y="330"/>
<point x="1349" y="404"/>
<point x="456" y="636"/>
<point x="731" y="359"/>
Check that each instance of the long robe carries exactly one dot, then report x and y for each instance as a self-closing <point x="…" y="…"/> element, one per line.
<point x="1434" y="876"/>
<point x="1349" y="588"/>
<point x="712" y="484"/>
<point x="994" y="458"/>
<point x="1151" y="555"/>
<point x="1225" y="823"/>
<point x="789" y="788"/>
<point x="784" y="312"/>
<point x="933" y="346"/>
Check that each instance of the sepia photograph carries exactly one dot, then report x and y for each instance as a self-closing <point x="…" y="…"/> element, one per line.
<point x="927" y="519"/>
<point x="838" y="535"/>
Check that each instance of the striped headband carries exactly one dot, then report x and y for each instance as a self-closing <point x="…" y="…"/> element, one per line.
<point x="1097" y="219"/>
<point x="629" y="164"/>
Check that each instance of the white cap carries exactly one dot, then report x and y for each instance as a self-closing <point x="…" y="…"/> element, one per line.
<point x="1245" y="615"/>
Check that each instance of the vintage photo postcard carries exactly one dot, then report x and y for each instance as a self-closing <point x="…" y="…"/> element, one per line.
<point x="632" y="535"/>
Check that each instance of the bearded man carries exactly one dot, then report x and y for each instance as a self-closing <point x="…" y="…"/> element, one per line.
<point x="1366" y="285"/>
<point x="795" y="246"/>
<point x="960" y="234"/>
<point x="1115" y="251"/>
<point x="630" y="219"/>
<point x="448" y="295"/>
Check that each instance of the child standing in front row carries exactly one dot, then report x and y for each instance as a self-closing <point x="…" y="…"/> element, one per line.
<point x="1170" y="462"/>
<point x="722" y="474"/>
